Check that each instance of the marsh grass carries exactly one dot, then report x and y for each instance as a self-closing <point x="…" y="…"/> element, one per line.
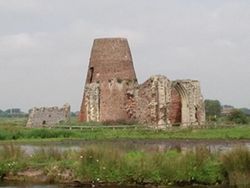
<point x="140" y="167"/>
<point x="11" y="159"/>
<point x="111" y="164"/>
<point x="45" y="155"/>
<point x="11" y="152"/>
<point x="236" y="165"/>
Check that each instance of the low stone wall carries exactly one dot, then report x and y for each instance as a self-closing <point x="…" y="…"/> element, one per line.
<point x="48" y="116"/>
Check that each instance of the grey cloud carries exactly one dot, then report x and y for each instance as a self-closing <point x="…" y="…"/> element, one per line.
<point x="45" y="46"/>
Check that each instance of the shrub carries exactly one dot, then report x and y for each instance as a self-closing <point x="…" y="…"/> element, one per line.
<point x="237" y="116"/>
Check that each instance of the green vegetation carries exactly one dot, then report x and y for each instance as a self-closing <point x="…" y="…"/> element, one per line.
<point x="226" y="114"/>
<point x="245" y="111"/>
<point x="213" y="109"/>
<point x="236" y="165"/>
<point x="106" y="164"/>
<point x="13" y="112"/>
<point x="98" y="164"/>
<point x="238" y="117"/>
<point x="14" y="129"/>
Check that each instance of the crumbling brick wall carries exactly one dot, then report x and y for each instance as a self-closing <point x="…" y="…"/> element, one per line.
<point x="112" y="93"/>
<point x="47" y="117"/>
<point x="111" y="67"/>
<point x="150" y="101"/>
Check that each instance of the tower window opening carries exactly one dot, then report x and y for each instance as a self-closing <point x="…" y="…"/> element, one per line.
<point x="91" y="74"/>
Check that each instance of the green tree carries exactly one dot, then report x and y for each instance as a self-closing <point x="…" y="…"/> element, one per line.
<point x="237" y="116"/>
<point x="1" y="113"/>
<point x="245" y="111"/>
<point x="213" y="109"/>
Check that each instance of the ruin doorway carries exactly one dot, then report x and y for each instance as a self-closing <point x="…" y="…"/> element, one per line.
<point x="175" y="108"/>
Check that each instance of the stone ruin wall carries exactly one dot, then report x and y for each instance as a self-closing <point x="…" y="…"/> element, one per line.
<point x="105" y="102"/>
<point x="193" y="109"/>
<point x="112" y="93"/>
<point x="148" y="102"/>
<point x="154" y="102"/>
<point x="47" y="117"/>
<point x="92" y="102"/>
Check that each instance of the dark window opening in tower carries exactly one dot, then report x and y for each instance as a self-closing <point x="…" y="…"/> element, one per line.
<point x="91" y="74"/>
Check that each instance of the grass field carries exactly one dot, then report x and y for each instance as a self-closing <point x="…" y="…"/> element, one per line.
<point x="14" y="129"/>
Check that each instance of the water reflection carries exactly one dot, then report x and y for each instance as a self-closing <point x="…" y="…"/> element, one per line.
<point x="139" y="145"/>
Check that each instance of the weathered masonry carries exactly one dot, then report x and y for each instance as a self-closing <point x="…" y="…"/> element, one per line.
<point x="112" y="93"/>
<point x="47" y="117"/>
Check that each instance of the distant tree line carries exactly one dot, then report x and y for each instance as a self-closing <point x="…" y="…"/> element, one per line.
<point x="17" y="112"/>
<point x="215" y="111"/>
<point x="13" y="112"/>
<point x="245" y="111"/>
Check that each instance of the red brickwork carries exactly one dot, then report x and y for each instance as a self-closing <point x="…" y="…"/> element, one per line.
<point x="112" y="67"/>
<point x="110" y="58"/>
<point x="175" y="107"/>
<point x="112" y="93"/>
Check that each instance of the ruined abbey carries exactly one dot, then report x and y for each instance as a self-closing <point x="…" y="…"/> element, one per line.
<point x="112" y="93"/>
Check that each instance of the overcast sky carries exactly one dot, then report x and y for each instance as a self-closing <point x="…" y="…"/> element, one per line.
<point x="45" y="46"/>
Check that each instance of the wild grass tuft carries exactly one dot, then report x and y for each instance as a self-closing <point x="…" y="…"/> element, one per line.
<point x="236" y="165"/>
<point x="11" y="152"/>
<point x="140" y="167"/>
<point x="11" y="159"/>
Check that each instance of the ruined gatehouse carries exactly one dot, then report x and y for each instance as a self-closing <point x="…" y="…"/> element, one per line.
<point x="48" y="116"/>
<point x="112" y="93"/>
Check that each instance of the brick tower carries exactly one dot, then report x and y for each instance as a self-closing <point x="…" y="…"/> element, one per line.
<point x="110" y="74"/>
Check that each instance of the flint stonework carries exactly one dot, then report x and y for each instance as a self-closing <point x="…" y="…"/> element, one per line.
<point x="112" y="93"/>
<point x="48" y="116"/>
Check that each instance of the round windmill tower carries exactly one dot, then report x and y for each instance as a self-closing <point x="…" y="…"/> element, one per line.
<point x="110" y="74"/>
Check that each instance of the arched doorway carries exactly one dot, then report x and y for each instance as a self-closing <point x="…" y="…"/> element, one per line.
<point x="178" y="111"/>
<point x="175" y="108"/>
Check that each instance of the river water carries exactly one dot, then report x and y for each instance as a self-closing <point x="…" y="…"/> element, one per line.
<point x="138" y="145"/>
